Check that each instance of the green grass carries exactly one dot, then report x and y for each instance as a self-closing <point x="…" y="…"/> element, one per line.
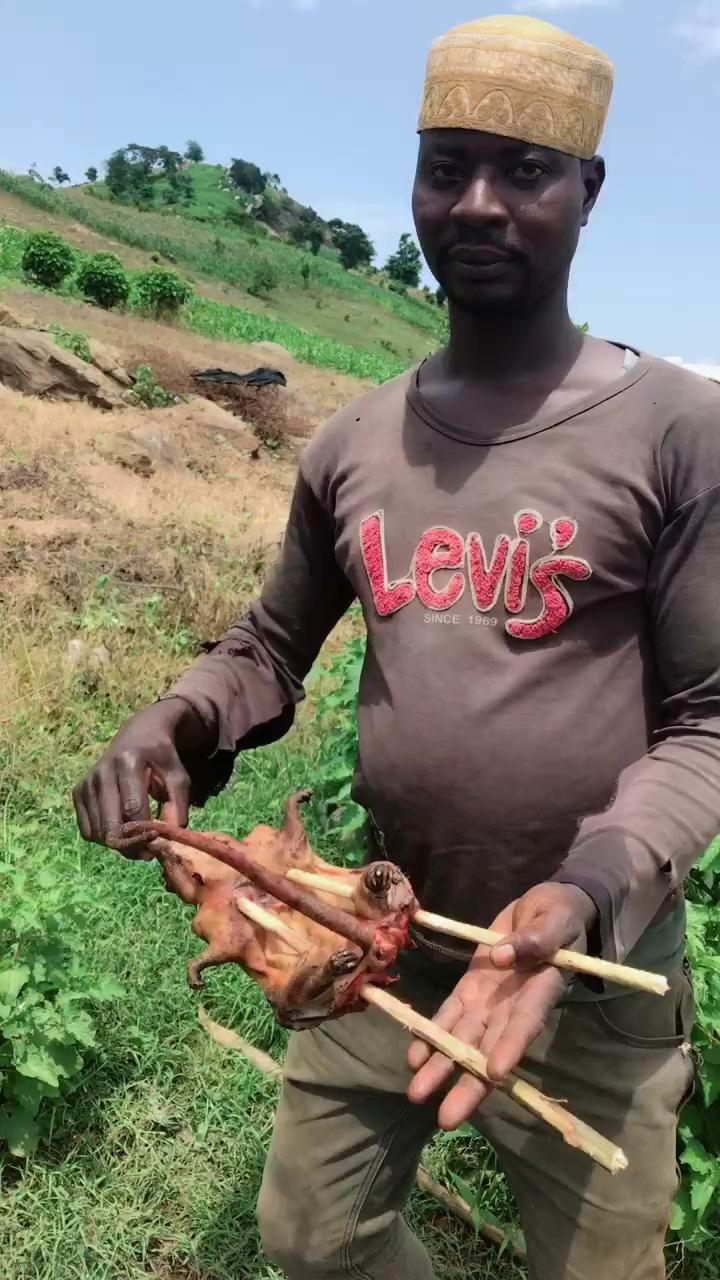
<point x="153" y="1163"/>
<point x="341" y="306"/>
<point x="230" y="323"/>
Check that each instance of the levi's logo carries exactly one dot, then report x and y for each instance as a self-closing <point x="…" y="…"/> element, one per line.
<point x="445" y="566"/>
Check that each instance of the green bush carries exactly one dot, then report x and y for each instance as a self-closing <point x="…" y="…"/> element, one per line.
<point x="72" y="340"/>
<point x="160" y="291"/>
<point x="336" y="712"/>
<point x="47" y="260"/>
<point x="46" y="995"/>
<point x="101" y="278"/>
<point x="148" y="391"/>
<point x="265" y="279"/>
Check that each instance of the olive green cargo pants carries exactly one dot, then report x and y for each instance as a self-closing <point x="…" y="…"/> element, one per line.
<point x="347" y="1143"/>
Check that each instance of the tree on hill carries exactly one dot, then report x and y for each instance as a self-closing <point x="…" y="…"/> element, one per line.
<point x="308" y="231"/>
<point x="354" y="246"/>
<point x="134" y="172"/>
<point x="91" y="173"/>
<point x="404" y="266"/>
<point x="246" y="176"/>
<point x="194" y="152"/>
<point x="59" y="175"/>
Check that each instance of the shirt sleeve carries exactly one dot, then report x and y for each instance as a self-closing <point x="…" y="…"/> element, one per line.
<point x="666" y="808"/>
<point x="247" y="687"/>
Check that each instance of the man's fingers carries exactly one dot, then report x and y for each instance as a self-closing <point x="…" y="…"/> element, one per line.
<point x="507" y="1041"/>
<point x="533" y="947"/>
<point x="462" y="1101"/>
<point x="134" y="801"/>
<point x="470" y="1029"/>
<point x="81" y="812"/>
<point x="176" y="804"/>
<point x="447" y="1015"/>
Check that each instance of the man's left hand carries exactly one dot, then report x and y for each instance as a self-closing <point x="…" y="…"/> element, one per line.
<point x="502" y="1002"/>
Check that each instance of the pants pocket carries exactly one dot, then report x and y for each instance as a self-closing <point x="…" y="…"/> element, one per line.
<point x="645" y="1021"/>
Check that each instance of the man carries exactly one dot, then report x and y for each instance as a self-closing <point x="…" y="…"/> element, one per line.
<point x="531" y="522"/>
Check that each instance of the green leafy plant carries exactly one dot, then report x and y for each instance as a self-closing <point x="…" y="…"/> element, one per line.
<point x="264" y="280"/>
<point x="47" y="260"/>
<point x="336" y="710"/>
<point x="101" y="278"/>
<point x="71" y="340"/>
<point x="46" y="996"/>
<point x="148" y="391"/>
<point x="697" y="1200"/>
<point x="160" y="291"/>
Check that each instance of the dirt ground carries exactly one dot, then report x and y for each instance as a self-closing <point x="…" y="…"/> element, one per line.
<point x="73" y="513"/>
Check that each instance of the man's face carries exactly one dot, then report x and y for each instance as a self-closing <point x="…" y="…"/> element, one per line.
<point x="499" y="220"/>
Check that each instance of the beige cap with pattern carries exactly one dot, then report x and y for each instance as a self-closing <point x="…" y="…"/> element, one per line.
<point x="521" y="78"/>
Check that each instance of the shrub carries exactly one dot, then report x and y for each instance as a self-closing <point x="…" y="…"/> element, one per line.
<point x="404" y="266"/>
<point x="102" y="279"/>
<point x="148" y="391"/>
<point x="72" y="340"/>
<point x="160" y="291"/>
<point x="265" y="279"/>
<point x="336" y="712"/>
<point x="46" y="989"/>
<point x="47" y="260"/>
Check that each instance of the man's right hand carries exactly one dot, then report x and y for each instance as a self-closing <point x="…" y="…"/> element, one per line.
<point x="143" y="762"/>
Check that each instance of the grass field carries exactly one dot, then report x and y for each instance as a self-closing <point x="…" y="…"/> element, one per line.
<point x="344" y="307"/>
<point x="151" y="1163"/>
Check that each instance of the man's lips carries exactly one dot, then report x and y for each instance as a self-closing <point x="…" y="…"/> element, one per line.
<point x="479" y="255"/>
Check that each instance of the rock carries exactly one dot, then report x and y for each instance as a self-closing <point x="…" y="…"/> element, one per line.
<point x="9" y="320"/>
<point x="208" y="418"/>
<point x="79" y="654"/>
<point x="109" y="360"/>
<point x="32" y="363"/>
<point x="144" y="449"/>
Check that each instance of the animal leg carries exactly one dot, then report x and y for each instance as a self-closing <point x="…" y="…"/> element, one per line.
<point x="213" y="955"/>
<point x="293" y="829"/>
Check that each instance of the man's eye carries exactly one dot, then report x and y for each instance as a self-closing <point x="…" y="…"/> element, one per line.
<point x="444" y="171"/>
<point x="528" y="171"/>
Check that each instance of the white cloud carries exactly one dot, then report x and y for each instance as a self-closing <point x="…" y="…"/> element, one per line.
<point x="554" y="6"/>
<point x="701" y="29"/>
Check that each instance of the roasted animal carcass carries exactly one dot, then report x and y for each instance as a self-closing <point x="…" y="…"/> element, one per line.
<point x="335" y="945"/>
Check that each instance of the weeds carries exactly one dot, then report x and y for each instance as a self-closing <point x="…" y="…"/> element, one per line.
<point x="72" y="340"/>
<point x="148" y="391"/>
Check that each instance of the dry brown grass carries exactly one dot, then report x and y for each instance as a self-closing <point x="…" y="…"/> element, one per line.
<point x="70" y="516"/>
<point x="312" y="394"/>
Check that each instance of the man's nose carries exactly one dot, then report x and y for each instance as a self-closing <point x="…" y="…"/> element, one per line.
<point x="481" y="202"/>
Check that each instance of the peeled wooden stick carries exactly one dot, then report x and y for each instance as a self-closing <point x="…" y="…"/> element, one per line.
<point x="621" y="974"/>
<point x="575" y="1132"/>
<point x="271" y="923"/>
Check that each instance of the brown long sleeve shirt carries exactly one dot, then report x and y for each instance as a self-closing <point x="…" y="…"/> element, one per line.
<point x="541" y="693"/>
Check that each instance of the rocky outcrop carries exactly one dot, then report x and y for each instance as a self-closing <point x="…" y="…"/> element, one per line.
<point x="32" y="363"/>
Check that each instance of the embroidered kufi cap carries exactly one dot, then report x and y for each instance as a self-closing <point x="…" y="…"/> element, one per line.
<point x="521" y="78"/>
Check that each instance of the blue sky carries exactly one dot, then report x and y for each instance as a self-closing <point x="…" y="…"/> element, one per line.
<point x="325" y="92"/>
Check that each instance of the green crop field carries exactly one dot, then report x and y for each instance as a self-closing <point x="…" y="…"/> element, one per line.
<point x="340" y="306"/>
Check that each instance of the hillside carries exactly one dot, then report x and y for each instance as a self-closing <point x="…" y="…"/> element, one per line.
<point x="312" y="294"/>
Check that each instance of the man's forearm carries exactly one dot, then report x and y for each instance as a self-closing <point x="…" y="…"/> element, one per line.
<point x="665" y="813"/>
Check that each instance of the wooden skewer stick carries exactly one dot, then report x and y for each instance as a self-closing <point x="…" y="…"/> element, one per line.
<point x="271" y="923"/>
<point x="575" y="1132"/>
<point x="621" y="974"/>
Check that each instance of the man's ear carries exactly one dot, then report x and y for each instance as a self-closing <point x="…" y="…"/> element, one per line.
<point x="593" y="176"/>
